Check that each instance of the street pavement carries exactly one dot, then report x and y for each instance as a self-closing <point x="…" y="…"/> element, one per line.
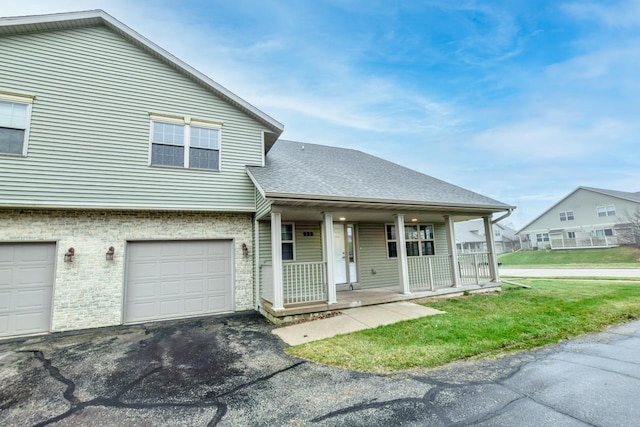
<point x="632" y="273"/>
<point x="232" y="371"/>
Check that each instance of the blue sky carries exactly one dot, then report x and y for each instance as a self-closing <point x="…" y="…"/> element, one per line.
<point x="522" y="101"/>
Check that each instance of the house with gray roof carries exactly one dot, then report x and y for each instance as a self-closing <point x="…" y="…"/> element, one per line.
<point x="330" y="219"/>
<point x="471" y="238"/>
<point x="585" y="218"/>
<point x="137" y="189"/>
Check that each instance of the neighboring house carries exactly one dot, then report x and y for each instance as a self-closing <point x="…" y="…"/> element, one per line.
<point x="471" y="238"/>
<point x="135" y="189"/>
<point x="586" y="218"/>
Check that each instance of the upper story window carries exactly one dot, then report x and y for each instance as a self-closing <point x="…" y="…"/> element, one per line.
<point x="288" y="247"/>
<point x="566" y="216"/>
<point x="419" y="240"/>
<point x="14" y="124"/>
<point x="608" y="210"/>
<point x="185" y="143"/>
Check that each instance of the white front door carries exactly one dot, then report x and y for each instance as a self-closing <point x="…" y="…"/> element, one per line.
<point x="344" y="254"/>
<point x="339" y="258"/>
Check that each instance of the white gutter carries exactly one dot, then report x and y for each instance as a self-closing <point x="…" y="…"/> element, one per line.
<point x="506" y="215"/>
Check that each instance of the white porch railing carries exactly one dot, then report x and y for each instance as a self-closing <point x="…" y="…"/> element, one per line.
<point x="429" y="272"/>
<point x="304" y="282"/>
<point x="583" y="242"/>
<point x="474" y="268"/>
<point x="434" y="271"/>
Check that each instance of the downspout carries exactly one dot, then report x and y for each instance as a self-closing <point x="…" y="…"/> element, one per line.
<point x="506" y="215"/>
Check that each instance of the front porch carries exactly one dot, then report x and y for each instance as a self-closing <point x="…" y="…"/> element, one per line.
<point x="305" y="288"/>
<point x="364" y="297"/>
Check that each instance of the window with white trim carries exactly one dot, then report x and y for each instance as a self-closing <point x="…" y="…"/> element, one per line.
<point x="185" y="143"/>
<point x="566" y="216"/>
<point x="605" y="232"/>
<point x="419" y="240"/>
<point x="608" y="210"/>
<point x="571" y="234"/>
<point x="288" y="244"/>
<point x="542" y="237"/>
<point x="14" y="126"/>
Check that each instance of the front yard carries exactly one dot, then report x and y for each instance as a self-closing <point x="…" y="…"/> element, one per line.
<point x="623" y="256"/>
<point x="483" y="326"/>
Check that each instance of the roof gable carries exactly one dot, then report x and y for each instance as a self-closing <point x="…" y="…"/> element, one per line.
<point x="318" y="172"/>
<point x="624" y="195"/>
<point x="92" y="18"/>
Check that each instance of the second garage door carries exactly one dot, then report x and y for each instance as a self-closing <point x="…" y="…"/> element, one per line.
<point x="169" y="280"/>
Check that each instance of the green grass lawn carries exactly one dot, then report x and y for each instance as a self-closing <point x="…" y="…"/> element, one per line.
<point x="483" y="326"/>
<point x="622" y="256"/>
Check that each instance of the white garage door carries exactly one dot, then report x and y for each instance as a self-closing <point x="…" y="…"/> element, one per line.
<point x="26" y="286"/>
<point x="169" y="280"/>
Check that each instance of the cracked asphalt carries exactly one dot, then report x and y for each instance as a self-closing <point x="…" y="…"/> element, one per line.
<point x="233" y="372"/>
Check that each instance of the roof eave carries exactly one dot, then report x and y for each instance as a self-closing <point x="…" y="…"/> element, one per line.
<point x="380" y="202"/>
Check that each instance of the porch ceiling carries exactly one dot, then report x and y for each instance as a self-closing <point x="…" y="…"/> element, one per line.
<point x="369" y="214"/>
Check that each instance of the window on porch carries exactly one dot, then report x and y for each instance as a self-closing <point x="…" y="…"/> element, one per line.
<point x="288" y="250"/>
<point x="419" y="240"/>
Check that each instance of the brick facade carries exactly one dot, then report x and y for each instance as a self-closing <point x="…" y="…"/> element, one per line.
<point x="89" y="291"/>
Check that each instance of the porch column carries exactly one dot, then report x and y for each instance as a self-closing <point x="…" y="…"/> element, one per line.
<point x="401" y="248"/>
<point x="493" y="260"/>
<point x="327" y="247"/>
<point x="276" y="260"/>
<point x="451" y="242"/>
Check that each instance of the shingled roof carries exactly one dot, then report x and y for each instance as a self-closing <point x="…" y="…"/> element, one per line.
<point x="317" y="172"/>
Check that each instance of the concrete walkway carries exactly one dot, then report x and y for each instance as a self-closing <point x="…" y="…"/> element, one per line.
<point x="633" y="273"/>
<point x="351" y="320"/>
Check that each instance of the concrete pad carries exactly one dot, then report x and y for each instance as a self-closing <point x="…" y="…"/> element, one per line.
<point x="374" y="315"/>
<point x="352" y="320"/>
<point x="410" y="309"/>
<point x="318" y="329"/>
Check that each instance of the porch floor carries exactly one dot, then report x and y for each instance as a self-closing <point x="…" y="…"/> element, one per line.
<point x="372" y="296"/>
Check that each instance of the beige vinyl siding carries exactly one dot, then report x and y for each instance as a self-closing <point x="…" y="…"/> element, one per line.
<point x="440" y="239"/>
<point x="89" y="136"/>
<point x="264" y="234"/>
<point x="263" y="206"/>
<point x="583" y="203"/>
<point x="308" y="248"/>
<point x="373" y="257"/>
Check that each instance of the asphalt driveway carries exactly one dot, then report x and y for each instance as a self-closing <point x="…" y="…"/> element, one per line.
<point x="233" y="371"/>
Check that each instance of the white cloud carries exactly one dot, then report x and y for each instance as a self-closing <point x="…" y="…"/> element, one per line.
<point x="622" y="14"/>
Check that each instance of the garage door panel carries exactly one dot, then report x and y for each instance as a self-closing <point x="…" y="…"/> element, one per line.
<point x="195" y="267"/>
<point x="7" y="254"/>
<point x="6" y="276"/>
<point x="195" y="286"/>
<point x="183" y="272"/>
<point x="170" y="288"/>
<point x="171" y="250"/>
<point x="5" y="300"/>
<point x="143" y="290"/>
<point x="173" y="268"/>
<point x="195" y="305"/>
<point x="196" y="249"/>
<point x="217" y="284"/>
<point x="218" y="266"/>
<point x="29" y="322"/>
<point x="171" y="308"/>
<point x="145" y="270"/>
<point x="26" y="287"/>
<point x="33" y="275"/>
<point x="215" y="303"/>
<point x="32" y="298"/>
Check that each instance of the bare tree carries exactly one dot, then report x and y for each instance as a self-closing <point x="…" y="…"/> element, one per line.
<point x="628" y="229"/>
